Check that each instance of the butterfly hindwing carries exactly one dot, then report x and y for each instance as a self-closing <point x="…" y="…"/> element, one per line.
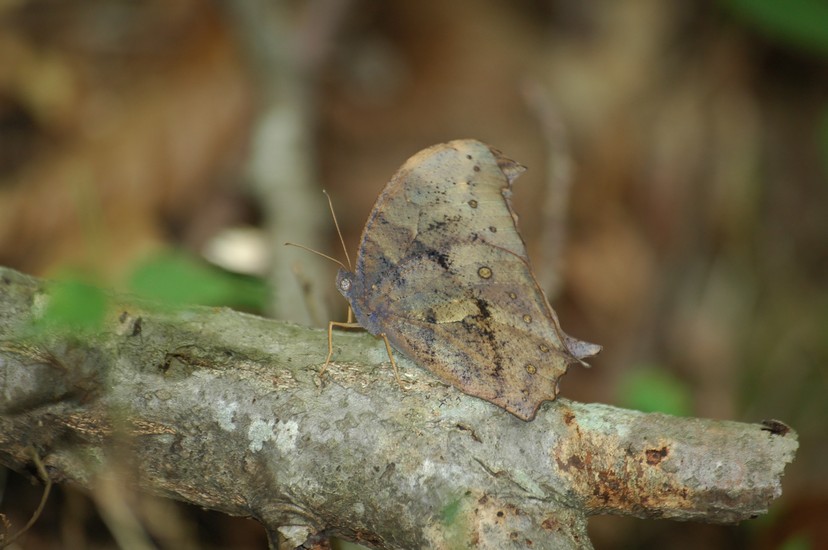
<point x="482" y="336"/>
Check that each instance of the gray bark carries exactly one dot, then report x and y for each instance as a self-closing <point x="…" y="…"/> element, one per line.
<point x="226" y="411"/>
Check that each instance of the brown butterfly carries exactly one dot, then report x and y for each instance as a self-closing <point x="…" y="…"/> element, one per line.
<point x="442" y="274"/>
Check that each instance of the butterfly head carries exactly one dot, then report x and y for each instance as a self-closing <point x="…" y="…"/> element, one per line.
<point x="350" y="287"/>
<point x="345" y="282"/>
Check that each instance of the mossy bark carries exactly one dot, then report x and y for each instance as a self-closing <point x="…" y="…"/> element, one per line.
<point x="226" y="411"/>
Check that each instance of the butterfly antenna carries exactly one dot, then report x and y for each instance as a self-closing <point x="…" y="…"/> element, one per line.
<point x="338" y="232"/>
<point x="344" y="248"/>
<point x="319" y="254"/>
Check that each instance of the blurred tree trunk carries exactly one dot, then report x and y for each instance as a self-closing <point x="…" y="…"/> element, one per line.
<point x="225" y="410"/>
<point x="285" y="43"/>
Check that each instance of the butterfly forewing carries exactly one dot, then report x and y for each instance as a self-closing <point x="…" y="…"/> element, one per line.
<point x="440" y="194"/>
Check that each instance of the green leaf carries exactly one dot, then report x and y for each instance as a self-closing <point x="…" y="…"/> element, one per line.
<point x="456" y="526"/>
<point x="800" y="23"/>
<point x="449" y="512"/>
<point x="74" y="305"/>
<point x="650" y="389"/>
<point x="797" y="541"/>
<point x="176" y="278"/>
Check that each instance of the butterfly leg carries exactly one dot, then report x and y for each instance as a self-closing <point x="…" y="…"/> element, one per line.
<point x="391" y="357"/>
<point x="330" y="349"/>
<point x="331" y="325"/>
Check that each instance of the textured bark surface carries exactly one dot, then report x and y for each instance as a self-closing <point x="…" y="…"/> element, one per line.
<point x="225" y="410"/>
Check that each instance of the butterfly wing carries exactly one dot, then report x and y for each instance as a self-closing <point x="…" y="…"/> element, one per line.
<point x="422" y="204"/>
<point x="488" y="339"/>
<point x="443" y="273"/>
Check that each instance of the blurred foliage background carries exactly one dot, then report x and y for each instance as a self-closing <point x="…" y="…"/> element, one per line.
<point x="675" y="207"/>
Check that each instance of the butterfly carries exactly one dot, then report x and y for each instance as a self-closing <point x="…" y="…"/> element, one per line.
<point x="442" y="275"/>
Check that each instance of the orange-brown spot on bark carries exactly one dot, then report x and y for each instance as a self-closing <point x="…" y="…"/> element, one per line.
<point x="655" y="456"/>
<point x="550" y="524"/>
<point x="573" y="462"/>
<point x="568" y="417"/>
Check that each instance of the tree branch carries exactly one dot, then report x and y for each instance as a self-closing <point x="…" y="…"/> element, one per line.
<point x="224" y="410"/>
